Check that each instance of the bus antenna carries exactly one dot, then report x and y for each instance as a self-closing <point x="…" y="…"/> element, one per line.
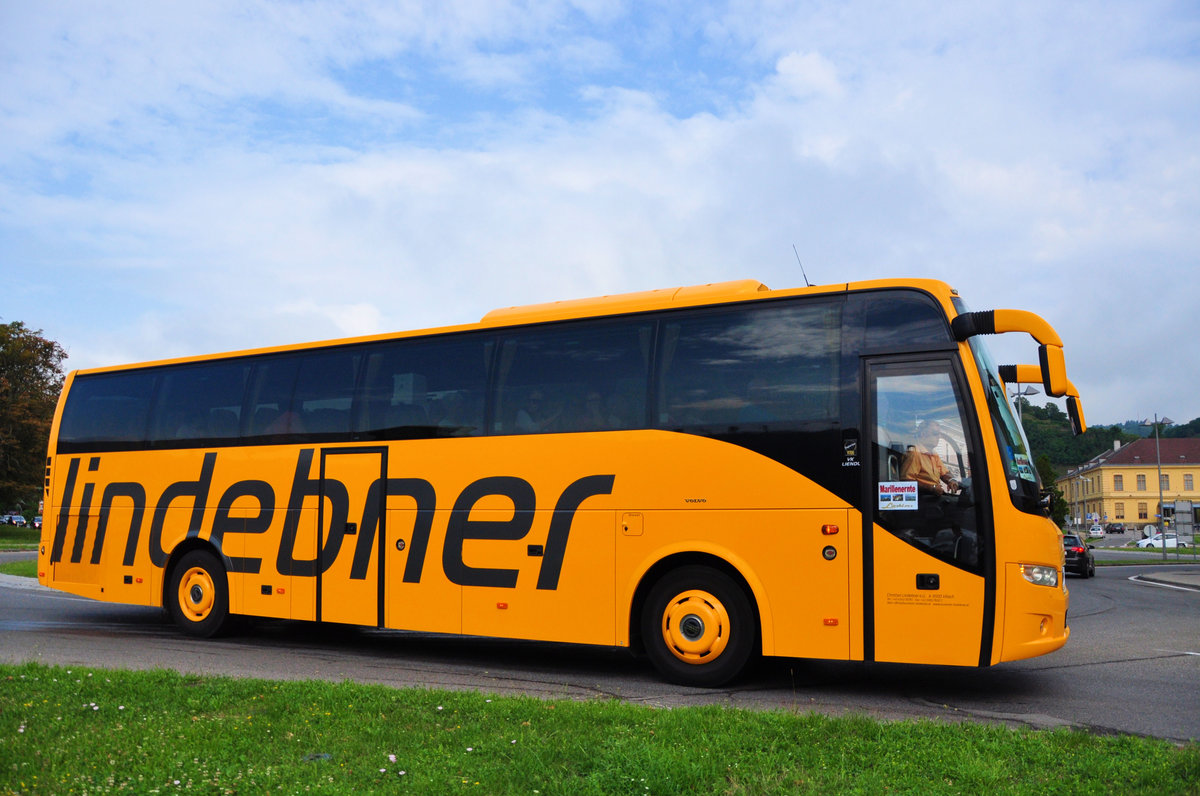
<point x="806" y="282"/>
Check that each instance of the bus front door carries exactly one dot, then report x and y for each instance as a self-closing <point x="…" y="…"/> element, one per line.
<point x="926" y="553"/>
<point x="352" y="524"/>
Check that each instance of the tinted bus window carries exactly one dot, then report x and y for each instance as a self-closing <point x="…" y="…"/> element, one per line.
<point x="324" y="393"/>
<point x="904" y="319"/>
<point x="199" y="402"/>
<point x="750" y="369"/>
<point x="578" y="377"/>
<point x="425" y="388"/>
<point x="270" y="402"/>
<point x="106" y="411"/>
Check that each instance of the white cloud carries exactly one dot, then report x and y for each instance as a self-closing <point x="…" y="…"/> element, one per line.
<point x="217" y="176"/>
<point x="808" y="73"/>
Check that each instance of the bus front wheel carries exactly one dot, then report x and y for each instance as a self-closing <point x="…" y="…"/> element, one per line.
<point x="698" y="627"/>
<point x="198" y="595"/>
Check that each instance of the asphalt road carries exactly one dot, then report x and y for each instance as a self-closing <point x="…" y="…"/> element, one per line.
<point x="1132" y="664"/>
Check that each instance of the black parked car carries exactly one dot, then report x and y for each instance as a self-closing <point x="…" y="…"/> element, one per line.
<point x="1079" y="556"/>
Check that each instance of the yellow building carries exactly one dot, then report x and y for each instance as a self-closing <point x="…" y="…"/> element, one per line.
<point x="1122" y="485"/>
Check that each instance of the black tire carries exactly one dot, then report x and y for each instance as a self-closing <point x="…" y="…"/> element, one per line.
<point x="1091" y="570"/>
<point x="198" y="595"/>
<point x="698" y="627"/>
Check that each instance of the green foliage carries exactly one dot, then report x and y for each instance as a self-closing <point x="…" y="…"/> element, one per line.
<point x="1050" y="435"/>
<point x="31" y="378"/>
<point x="1058" y="506"/>
<point x="1184" y="431"/>
<point x="167" y="732"/>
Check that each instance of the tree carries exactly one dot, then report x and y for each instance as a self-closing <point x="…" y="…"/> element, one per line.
<point x="1050" y="434"/>
<point x="1188" y="430"/>
<point x="31" y="379"/>
<point x="1058" y="503"/>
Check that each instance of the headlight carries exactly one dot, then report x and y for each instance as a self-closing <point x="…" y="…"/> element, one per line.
<point x="1040" y="576"/>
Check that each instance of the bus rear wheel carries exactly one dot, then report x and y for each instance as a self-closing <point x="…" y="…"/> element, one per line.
<point x="198" y="595"/>
<point x="698" y="627"/>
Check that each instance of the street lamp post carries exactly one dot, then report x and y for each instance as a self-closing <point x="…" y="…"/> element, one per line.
<point x="1017" y="396"/>
<point x="1162" y="535"/>
<point x="1081" y="490"/>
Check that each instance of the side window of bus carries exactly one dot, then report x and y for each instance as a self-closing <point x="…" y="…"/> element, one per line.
<point x="199" y="403"/>
<point x="424" y="388"/>
<point x="109" y="410"/>
<point x="903" y="317"/>
<point x="269" y="404"/>
<point x="324" y="393"/>
<point x="751" y="369"/>
<point x="573" y="377"/>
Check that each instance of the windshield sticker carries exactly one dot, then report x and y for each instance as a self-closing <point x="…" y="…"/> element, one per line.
<point x="898" y="496"/>
<point x="1024" y="468"/>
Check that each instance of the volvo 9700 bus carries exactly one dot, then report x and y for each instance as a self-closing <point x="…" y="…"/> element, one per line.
<point x="705" y="473"/>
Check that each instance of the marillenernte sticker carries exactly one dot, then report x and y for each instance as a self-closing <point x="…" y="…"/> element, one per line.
<point x="898" y="496"/>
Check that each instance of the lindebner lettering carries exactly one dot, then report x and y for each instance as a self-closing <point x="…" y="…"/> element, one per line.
<point x="193" y="496"/>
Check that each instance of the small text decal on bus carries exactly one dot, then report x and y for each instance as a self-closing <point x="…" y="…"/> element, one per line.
<point x="898" y="496"/>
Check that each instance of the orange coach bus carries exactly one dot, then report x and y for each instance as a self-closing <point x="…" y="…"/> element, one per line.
<point x="703" y="473"/>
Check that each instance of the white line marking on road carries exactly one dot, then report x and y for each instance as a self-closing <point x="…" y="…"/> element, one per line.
<point x="1138" y="580"/>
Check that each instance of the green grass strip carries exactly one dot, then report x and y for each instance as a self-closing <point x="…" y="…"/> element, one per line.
<point x="74" y="731"/>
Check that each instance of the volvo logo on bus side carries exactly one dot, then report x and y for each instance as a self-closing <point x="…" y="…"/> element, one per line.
<point x="193" y="495"/>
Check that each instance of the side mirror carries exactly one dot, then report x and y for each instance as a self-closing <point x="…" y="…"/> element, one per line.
<point x="1046" y="502"/>
<point x="1054" y="370"/>
<point x="1075" y="413"/>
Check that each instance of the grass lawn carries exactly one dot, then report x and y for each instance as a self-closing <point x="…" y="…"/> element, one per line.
<point x="15" y="538"/>
<point x="79" y="730"/>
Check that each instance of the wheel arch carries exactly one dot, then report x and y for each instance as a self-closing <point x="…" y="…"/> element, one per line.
<point x="687" y="558"/>
<point x="182" y="549"/>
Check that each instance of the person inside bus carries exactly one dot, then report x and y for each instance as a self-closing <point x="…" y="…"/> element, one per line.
<point x="286" y="422"/>
<point x="592" y="416"/>
<point x="454" y="421"/>
<point x="923" y="465"/>
<point x="536" y="417"/>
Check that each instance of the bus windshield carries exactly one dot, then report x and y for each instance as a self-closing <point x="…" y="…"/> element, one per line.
<point x="1024" y="484"/>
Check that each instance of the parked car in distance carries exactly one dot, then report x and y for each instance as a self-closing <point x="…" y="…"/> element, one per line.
<point x="37" y="521"/>
<point x="15" y="519"/>
<point x="1078" y="555"/>
<point x="1115" y="527"/>
<point x="1157" y="541"/>
<point x="1096" y="531"/>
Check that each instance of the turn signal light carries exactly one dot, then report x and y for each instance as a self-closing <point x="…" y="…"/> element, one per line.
<point x="829" y="530"/>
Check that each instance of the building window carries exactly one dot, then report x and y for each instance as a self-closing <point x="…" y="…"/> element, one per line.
<point x="1142" y="514"/>
<point x="1164" y="481"/>
<point x="1187" y="482"/>
<point x="1141" y="483"/>
<point x="1119" y="511"/>
<point x="1119" y="482"/>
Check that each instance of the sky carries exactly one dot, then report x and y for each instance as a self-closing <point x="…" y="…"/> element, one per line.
<point x="192" y="177"/>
